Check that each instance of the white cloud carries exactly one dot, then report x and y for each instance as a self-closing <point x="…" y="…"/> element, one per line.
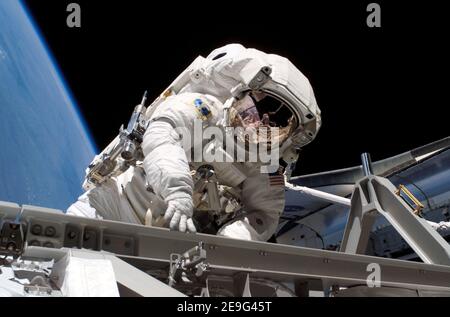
<point x="3" y="54"/>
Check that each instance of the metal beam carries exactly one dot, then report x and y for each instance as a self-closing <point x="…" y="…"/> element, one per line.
<point x="150" y="247"/>
<point x="375" y="195"/>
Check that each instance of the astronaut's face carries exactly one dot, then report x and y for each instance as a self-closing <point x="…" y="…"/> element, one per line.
<point x="263" y="118"/>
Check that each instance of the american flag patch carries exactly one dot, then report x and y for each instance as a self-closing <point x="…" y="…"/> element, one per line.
<point x="276" y="179"/>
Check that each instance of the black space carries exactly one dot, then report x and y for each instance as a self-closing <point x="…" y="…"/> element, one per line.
<point x="380" y="90"/>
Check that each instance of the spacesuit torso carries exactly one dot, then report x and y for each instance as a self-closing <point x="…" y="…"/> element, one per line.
<point x="242" y="201"/>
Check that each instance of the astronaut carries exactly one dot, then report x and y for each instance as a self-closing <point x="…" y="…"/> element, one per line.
<point x="234" y="90"/>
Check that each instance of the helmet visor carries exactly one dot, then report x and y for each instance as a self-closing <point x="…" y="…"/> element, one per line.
<point x="262" y="118"/>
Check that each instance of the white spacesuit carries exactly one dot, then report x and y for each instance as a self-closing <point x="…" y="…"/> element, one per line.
<point x="233" y="87"/>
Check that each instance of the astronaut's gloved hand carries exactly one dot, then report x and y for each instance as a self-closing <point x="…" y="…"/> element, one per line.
<point x="179" y="212"/>
<point x="443" y="226"/>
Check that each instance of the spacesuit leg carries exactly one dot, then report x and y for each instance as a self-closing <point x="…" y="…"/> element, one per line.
<point x="105" y="202"/>
<point x="82" y="208"/>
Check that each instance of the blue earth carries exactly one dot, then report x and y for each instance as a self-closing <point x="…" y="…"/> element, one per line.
<point x="45" y="146"/>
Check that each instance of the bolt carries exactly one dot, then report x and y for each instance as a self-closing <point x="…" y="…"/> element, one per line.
<point x="50" y="231"/>
<point x="36" y="230"/>
<point x="49" y="245"/>
<point x="35" y="243"/>
<point x="72" y="235"/>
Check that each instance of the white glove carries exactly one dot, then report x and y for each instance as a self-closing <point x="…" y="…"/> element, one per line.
<point x="179" y="212"/>
<point x="440" y="227"/>
<point x="433" y="225"/>
<point x="443" y="226"/>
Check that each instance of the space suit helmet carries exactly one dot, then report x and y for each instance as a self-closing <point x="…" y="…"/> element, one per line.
<point x="268" y="91"/>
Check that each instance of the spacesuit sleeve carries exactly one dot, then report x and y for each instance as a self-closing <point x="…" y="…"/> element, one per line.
<point x="263" y="199"/>
<point x="165" y="163"/>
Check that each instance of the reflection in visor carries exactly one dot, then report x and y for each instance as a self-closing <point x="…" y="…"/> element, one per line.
<point x="260" y="112"/>
<point x="247" y="112"/>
